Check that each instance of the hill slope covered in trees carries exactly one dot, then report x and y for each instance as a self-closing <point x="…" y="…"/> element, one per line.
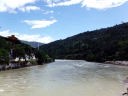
<point x="11" y="49"/>
<point x="99" y="45"/>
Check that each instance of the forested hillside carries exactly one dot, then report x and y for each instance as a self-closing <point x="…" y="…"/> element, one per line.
<point x="10" y="49"/>
<point x="99" y="45"/>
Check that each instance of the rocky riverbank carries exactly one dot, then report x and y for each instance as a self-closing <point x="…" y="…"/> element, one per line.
<point x="16" y="65"/>
<point x="124" y="63"/>
<point x="21" y="64"/>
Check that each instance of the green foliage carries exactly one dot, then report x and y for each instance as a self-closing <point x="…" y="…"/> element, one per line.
<point x="19" y="50"/>
<point x="42" y="57"/>
<point x="4" y="56"/>
<point x="98" y="45"/>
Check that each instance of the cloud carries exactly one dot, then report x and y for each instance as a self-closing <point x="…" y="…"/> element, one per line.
<point x="40" y="23"/>
<point x="103" y="4"/>
<point x="29" y="8"/>
<point x="65" y="3"/>
<point x="97" y="4"/>
<point x="13" y="5"/>
<point x="48" y="12"/>
<point x="27" y="37"/>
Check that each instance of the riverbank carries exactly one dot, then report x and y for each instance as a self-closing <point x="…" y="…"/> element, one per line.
<point x="16" y="65"/>
<point x="21" y="64"/>
<point x="122" y="63"/>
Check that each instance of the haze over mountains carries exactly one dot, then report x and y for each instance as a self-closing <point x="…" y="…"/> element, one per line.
<point x="99" y="45"/>
<point x="32" y="44"/>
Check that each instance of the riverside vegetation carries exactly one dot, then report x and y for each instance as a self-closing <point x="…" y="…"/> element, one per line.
<point x="107" y="44"/>
<point x="14" y="54"/>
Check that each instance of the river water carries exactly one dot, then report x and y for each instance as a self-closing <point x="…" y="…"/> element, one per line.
<point x="64" y="78"/>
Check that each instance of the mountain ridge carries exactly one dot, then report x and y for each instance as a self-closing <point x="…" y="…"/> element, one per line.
<point x="33" y="44"/>
<point x="99" y="45"/>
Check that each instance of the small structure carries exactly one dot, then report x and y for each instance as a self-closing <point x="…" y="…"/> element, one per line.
<point x="15" y="60"/>
<point x="13" y="39"/>
<point x="126" y="93"/>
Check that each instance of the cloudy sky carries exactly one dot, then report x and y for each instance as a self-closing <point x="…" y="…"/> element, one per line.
<point x="49" y="20"/>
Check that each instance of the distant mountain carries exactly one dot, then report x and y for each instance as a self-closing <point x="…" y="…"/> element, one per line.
<point x="32" y="44"/>
<point x="99" y="45"/>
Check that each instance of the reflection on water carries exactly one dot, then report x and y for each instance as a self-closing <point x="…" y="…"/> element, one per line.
<point x="64" y="78"/>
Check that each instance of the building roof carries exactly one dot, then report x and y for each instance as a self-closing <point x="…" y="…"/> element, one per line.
<point x="13" y="39"/>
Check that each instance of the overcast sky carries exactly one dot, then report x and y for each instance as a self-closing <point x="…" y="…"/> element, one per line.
<point x="49" y="20"/>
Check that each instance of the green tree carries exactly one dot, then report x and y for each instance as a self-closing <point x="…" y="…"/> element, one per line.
<point x="4" y="56"/>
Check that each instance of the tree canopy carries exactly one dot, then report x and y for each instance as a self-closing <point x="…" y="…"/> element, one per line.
<point x="99" y="45"/>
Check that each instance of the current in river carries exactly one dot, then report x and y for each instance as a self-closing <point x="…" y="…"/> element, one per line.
<point x="65" y="78"/>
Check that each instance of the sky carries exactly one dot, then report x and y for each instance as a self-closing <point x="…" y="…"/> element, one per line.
<point x="49" y="20"/>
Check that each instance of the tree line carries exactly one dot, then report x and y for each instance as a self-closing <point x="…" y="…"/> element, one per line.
<point x="99" y="45"/>
<point x="20" y="50"/>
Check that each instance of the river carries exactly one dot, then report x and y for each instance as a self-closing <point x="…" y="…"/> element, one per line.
<point x="64" y="78"/>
